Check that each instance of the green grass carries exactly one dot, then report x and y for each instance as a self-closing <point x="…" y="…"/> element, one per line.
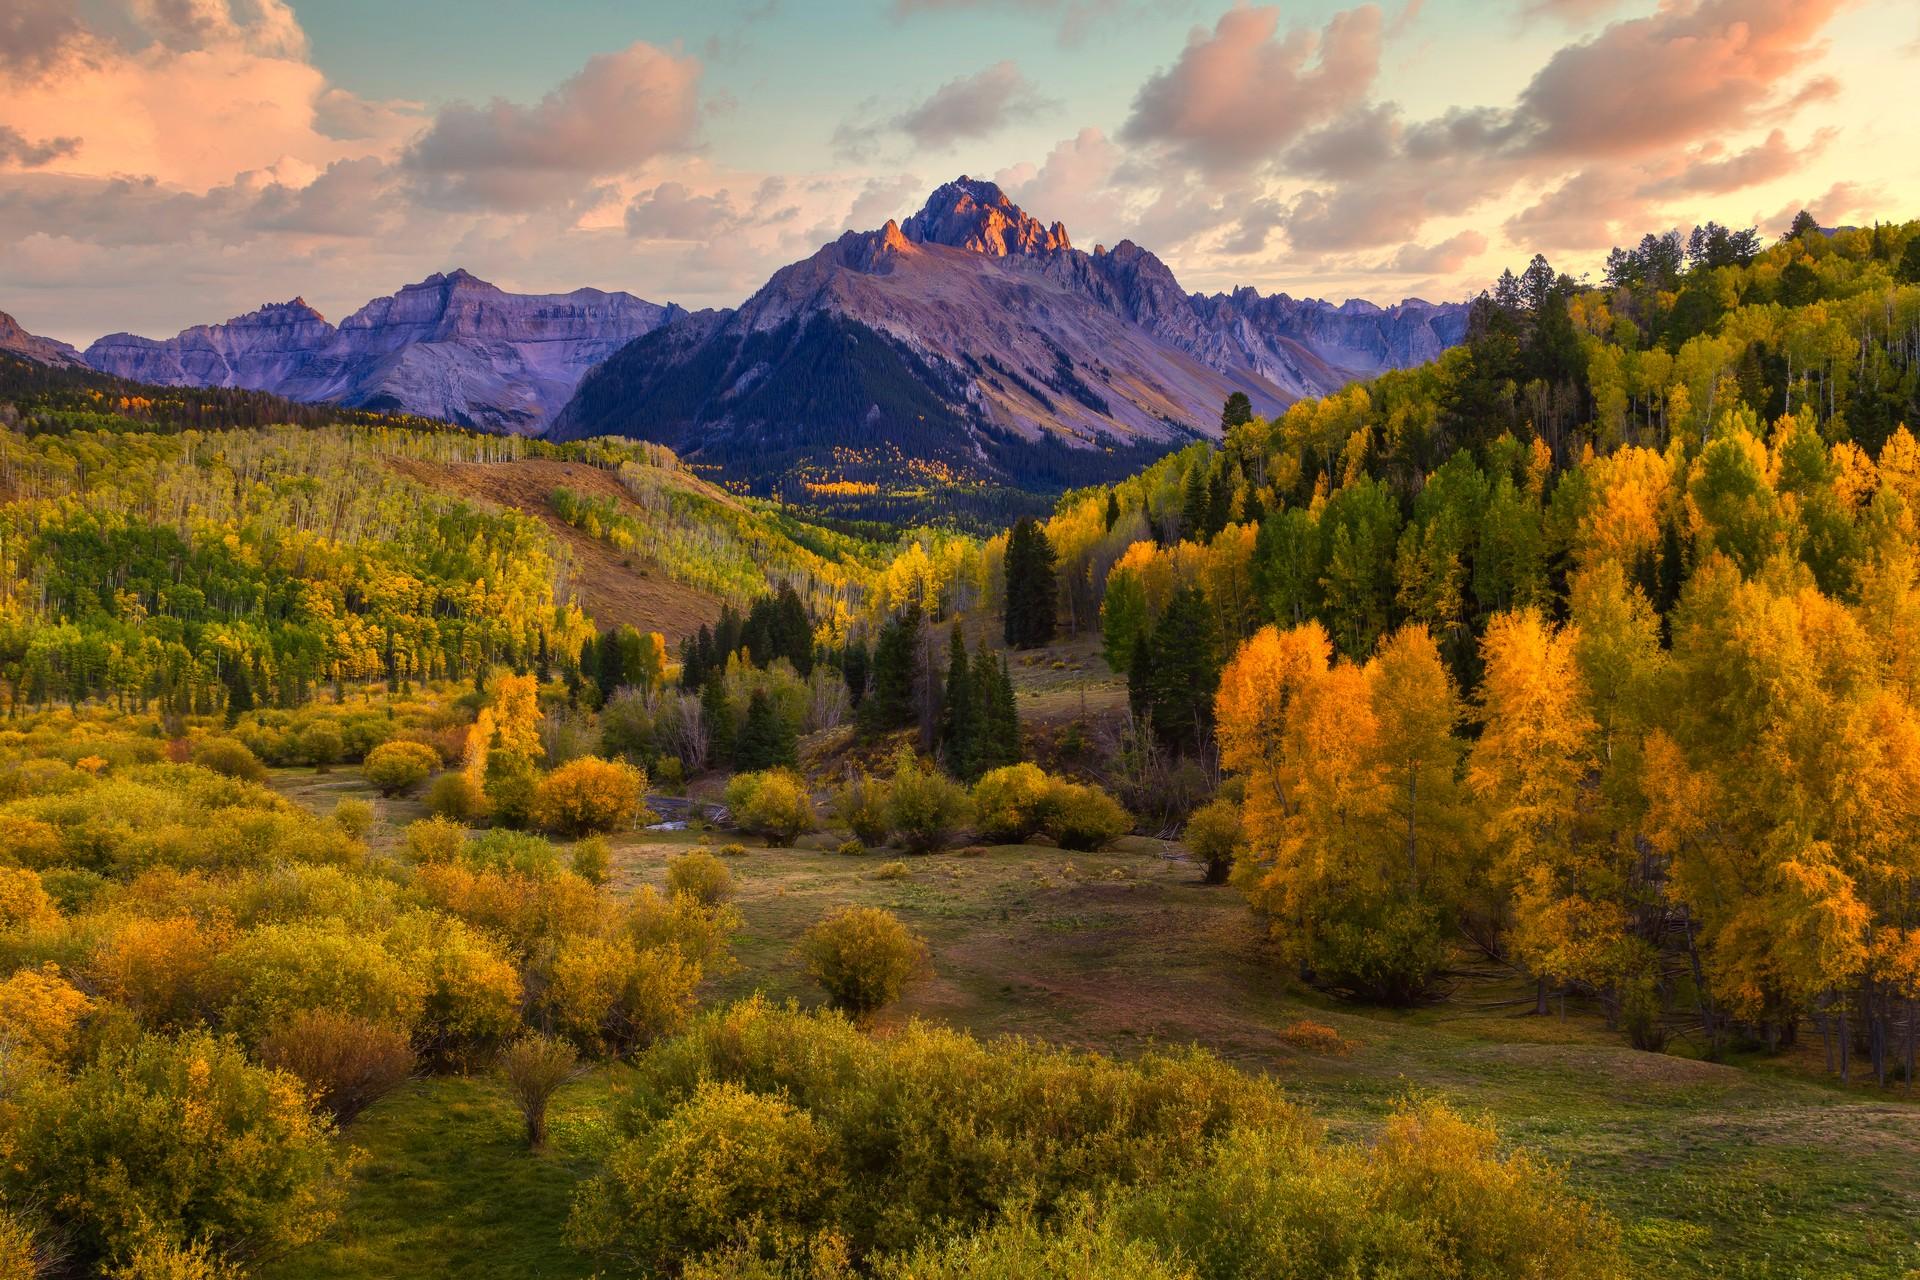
<point x="447" y="1187"/>
<point x="1762" y="1170"/>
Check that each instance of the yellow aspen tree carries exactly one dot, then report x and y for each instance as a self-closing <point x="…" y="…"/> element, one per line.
<point x="1529" y="770"/>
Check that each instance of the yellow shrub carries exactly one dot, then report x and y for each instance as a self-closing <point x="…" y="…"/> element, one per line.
<point x="590" y="794"/>
<point x="161" y="968"/>
<point x="24" y="902"/>
<point x="41" y="1013"/>
<point x="608" y="993"/>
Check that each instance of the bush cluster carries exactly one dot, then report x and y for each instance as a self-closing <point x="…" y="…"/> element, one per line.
<point x="767" y="1142"/>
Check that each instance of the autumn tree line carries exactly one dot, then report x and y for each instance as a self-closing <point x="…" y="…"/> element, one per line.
<point x="1587" y="648"/>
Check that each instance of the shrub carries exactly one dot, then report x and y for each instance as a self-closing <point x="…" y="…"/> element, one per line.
<point x="891" y="871"/>
<point x="72" y="889"/>
<point x="1084" y="818"/>
<point x="1012" y="802"/>
<point x="1382" y="952"/>
<point x="279" y="970"/>
<point x="702" y="934"/>
<point x="592" y="859"/>
<point x="1089" y="1245"/>
<point x="861" y="806"/>
<point x="533" y="1069"/>
<point x="924" y="806"/>
<point x="701" y="876"/>
<point x="230" y="758"/>
<point x="863" y="958"/>
<point x="1011" y="1119"/>
<point x="733" y="850"/>
<point x="1315" y="1037"/>
<point x="721" y="1163"/>
<point x="590" y="794"/>
<point x="395" y="768"/>
<point x="1434" y="1197"/>
<point x="349" y="1063"/>
<point x="161" y="967"/>
<point x="354" y="816"/>
<point x="159" y="1257"/>
<point x="608" y="993"/>
<point x="773" y="804"/>
<point x="473" y="991"/>
<point x="41" y="1014"/>
<point x="24" y="901"/>
<point x="185" y="1135"/>
<point x="436" y="840"/>
<point x="321" y="745"/>
<point x="455" y="795"/>
<point x="512" y="782"/>
<point x="852" y="849"/>
<point x="1214" y="836"/>
<point x="29" y="841"/>
<point x="20" y="1254"/>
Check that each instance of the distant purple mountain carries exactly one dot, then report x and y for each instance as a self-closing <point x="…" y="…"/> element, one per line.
<point x="451" y="347"/>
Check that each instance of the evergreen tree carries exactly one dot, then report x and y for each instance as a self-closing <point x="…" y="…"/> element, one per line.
<point x="1113" y="495"/>
<point x="239" y="692"/>
<point x="1193" y="502"/>
<point x="1176" y="671"/>
<point x="996" y="732"/>
<point x="1803" y="225"/>
<point x="765" y="740"/>
<point x="1909" y="270"/>
<point x="1237" y="411"/>
<point x="1031" y="588"/>
<point x="890" y="703"/>
<point x="717" y="710"/>
<point x="854" y="663"/>
<point x="613" y="662"/>
<point x="958" y="717"/>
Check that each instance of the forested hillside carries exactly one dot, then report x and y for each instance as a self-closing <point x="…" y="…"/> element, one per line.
<point x="1592" y="642"/>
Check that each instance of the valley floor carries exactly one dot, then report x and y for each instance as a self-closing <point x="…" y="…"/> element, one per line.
<point x="1757" y="1169"/>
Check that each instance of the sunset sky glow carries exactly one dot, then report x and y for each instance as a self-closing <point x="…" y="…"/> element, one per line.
<point x="167" y="162"/>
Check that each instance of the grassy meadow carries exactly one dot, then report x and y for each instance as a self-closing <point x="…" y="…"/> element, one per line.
<point x="1755" y="1169"/>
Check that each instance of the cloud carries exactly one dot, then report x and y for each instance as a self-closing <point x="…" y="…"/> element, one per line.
<point x="264" y="27"/>
<point x="1829" y="209"/>
<point x="1594" y="209"/>
<point x="1707" y="173"/>
<point x="1689" y="70"/>
<point x="1575" y="13"/>
<point x="671" y="212"/>
<point x="1077" y="18"/>
<point x="963" y="108"/>
<point x="15" y="149"/>
<point x="1445" y="258"/>
<point x="35" y="35"/>
<point x="1607" y="129"/>
<point x="619" y="110"/>
<point x="1240" y="93"/>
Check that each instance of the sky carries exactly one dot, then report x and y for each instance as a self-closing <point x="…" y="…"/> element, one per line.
<point x="172" y="162"/>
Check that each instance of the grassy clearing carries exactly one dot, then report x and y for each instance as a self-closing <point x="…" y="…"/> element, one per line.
<point x="1760" y="1169"/>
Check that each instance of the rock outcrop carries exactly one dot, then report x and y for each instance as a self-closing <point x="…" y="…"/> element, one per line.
<point x="452" y="347"/>
<point x="50" y="351"/>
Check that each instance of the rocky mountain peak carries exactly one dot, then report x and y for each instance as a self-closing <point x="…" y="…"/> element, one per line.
<point x="976" y="215"/>
<point x="15" y="340"/>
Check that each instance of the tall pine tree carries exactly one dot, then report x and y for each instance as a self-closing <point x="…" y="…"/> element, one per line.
<point x="1031" y="587"/>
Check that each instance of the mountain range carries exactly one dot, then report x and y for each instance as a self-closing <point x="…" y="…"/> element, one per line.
<point x="969" y="340"/>
<point x="974" y="339"/>
<point x="452" y="347"/>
